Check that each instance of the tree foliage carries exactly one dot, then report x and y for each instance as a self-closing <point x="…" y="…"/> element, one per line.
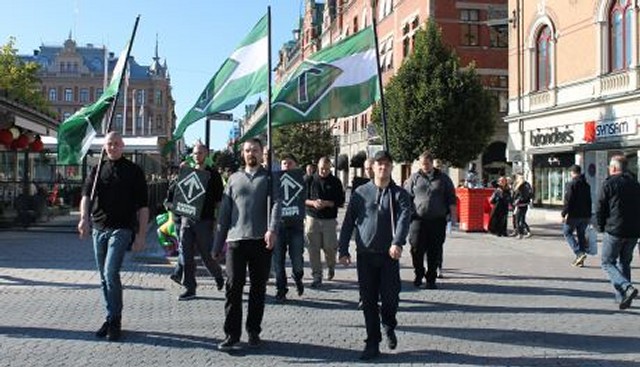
<point x="431" y="103"/>
<point x="307" y="141"/>
<point x="19" y="79"/>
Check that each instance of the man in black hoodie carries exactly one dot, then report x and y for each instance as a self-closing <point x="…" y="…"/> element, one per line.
<point x="576" y="214"/>
<point x="618" y="217"/>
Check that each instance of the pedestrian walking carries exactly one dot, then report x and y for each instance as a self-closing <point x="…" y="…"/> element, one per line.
<point x="434" y="200"/>
<point x="618" y="216"/>
<point x="380" y="213"/>
<point x="576" y="214"/>
<point x="290" y="238"/>
<point x="196" y="234"/>
<point x="501" y="200"/>
<point x="522" y="195"/>
<point x="119" y="207"/>
<point x="324" y="196"/>
<point x="243" y="222"/>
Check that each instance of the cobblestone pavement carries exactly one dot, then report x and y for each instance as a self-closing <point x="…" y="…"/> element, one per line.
<point x="503" y="302"/>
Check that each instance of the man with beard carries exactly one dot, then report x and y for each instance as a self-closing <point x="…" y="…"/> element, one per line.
<point x="250" y="237"/>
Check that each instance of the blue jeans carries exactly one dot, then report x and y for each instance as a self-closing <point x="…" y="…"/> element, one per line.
<point x="109" y="247"/>
<point x="580" y="226"/>
<point x="617" y="254"/>
<point x="291" y="238"/>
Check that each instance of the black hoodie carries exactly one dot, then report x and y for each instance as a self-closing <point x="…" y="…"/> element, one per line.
<point x="619" y="206"/>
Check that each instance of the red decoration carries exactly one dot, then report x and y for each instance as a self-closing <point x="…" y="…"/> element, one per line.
<point x="36" y="146"/>
<point x="21" y="143"/>
<point x="5" y="137"/>
<point x="590" y="131"/>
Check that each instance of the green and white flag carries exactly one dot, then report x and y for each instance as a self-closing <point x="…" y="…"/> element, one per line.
<point x="340" y="80"/>
<point x="243" y="74"/>
<point x="76" y="133"/>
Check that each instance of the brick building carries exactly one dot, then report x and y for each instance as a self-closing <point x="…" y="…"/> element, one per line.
<point x="476" y="29"/>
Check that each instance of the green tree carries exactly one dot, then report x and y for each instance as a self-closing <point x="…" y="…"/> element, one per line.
<point x="308" y="141"/>
<point x="19" y="79"/>
<point x="432" y="103"/>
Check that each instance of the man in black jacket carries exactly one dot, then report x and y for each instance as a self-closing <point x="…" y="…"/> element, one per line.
<point x="576" y="214"/>
<point x="618" y="217"/>
<point x="380" y="212"/>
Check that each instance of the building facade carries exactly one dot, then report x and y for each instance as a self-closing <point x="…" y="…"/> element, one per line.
<point x="476" y="29"/>
<point x="574" y="90"/>
<point x="74" y="76"/>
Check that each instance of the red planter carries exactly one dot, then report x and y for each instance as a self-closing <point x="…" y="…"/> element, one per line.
<point x="474" y="209"/>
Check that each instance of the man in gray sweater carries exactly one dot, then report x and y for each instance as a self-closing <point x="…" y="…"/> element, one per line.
<point x="380" y="212"/>
<point x="243" y="222"/>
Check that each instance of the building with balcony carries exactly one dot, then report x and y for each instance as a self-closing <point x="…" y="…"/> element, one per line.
<point x="574" y="90"/>
<point x="476" y="29"/>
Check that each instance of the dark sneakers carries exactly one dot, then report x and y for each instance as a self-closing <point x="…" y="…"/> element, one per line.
<point x="111" y="330"/>
<point x="392" y="340"/>
<point x="371" y="351"/>
<point x="317" y="283"/>
<point x="176" y="278"/>
<point x="299" y="286"/>
<point x="431" y="285"/>
<point x="187" y="295"/>
<point x="629" y="294"/>
<point x="229" y="343"/>
<point x="417" y="281"/>
<point x="220" y="283"/>
<point x="331" y="273"/>
<point x="103" y="331"/>
<point x="254" y="340"/>
<point x="281" y="295"/>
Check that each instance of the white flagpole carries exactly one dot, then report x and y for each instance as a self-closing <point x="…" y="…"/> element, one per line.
<point x="134" y="116"/>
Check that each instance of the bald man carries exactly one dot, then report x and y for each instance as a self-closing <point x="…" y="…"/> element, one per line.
<point x="118" y="209"/>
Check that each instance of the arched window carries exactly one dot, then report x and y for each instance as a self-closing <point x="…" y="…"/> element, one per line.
<point x="543" y="59"/>
<point x="620" y="26"/>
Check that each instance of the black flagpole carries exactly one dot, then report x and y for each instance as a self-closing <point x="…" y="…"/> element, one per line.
<point x="383" y="111"/>
<point x="269" y="150"/>
<point x="113" y="106"/>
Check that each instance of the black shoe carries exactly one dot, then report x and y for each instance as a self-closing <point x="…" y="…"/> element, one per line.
<point x="220" y="283"/>
<point x="331" y="274"/>
<point x="229" y="343"/>
<point x="176" y="278"/>
<point x="103" y="331"/>
<point x="317" y="283"/>
<point x="431" y="285"/>
<point x="114" y="332"/>
<point x="417" y="281"/>
<point x="299" y="286"/>
<point x="628" y="297"/>
<point x="187" y="295"/>
<point x="281" y="295"/>
<point x="392" y="340"/>
<point x="254" y="340"/>
<point x="440" y="274"/>
<point x="371" y="351"/>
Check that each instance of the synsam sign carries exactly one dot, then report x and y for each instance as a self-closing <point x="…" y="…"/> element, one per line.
<point x="606" y="129"/>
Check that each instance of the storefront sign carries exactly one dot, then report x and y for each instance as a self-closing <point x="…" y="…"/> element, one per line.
<point x="605" y="129"/>
<point x="553" y="137"/>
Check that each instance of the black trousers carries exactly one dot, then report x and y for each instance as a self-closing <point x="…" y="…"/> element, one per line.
<point x="251" y="254"/>
<point x="378" y="279"/>
<point x="426" y="238"/>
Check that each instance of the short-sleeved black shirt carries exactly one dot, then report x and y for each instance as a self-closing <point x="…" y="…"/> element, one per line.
<point x="121" y="191"/>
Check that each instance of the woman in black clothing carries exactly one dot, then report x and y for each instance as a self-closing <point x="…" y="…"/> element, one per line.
<point x="501" y="199"/>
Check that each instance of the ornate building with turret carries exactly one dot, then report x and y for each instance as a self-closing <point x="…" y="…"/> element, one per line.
<point x="73" y="76"/>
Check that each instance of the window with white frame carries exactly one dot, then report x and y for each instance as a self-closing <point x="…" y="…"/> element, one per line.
<point x="84" y="95"/>
<point x="53" y="94"/>
<point x="620" y="37"/>
<point x="68" y="95"/>
<point x="386" y="54"/>
<point x="543" y="59"/>
<point x="385" y="7"/>
<point x="409" y="30"/>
